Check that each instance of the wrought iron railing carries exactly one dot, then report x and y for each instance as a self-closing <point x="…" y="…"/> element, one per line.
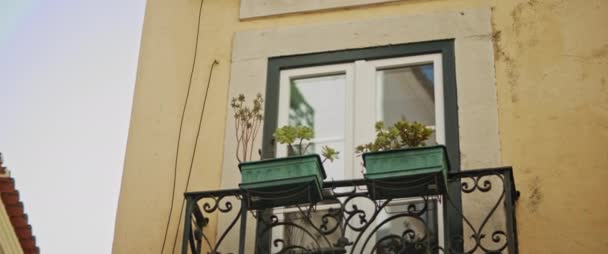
<point x="477" y="216"/>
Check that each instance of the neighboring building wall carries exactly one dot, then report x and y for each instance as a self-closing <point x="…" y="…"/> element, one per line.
<point x="9" y="243"/>
<point x="551" y="91"/>
<point x="16" y="236"/>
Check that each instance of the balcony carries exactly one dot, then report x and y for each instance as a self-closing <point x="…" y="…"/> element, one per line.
<point x="477" y="216"/>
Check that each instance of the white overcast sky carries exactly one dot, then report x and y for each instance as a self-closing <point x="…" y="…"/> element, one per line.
<point x="67" y="73"/>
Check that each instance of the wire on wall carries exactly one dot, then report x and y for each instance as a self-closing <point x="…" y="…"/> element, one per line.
<point x="179" y="134"/>
<point x="200" y="122"/>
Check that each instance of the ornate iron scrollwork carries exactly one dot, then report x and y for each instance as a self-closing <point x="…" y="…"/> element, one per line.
<point x="352" y="222"/>
<point x="484" y="182"/>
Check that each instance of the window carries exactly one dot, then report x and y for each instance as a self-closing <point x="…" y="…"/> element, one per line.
<point x="355" y="88"/>
<point x="341" y="103"/>
<point x="341" y="94"/>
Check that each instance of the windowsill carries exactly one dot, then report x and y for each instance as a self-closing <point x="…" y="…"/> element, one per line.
<point x="264" y="8"/>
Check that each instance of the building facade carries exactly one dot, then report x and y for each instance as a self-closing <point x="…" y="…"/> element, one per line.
<point x="503" y="83"/>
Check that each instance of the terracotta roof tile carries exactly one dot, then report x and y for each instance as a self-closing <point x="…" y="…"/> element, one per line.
<point x="28" y="242"/>
<point x="19" y="219"/>
<point x="7" y="184"/>
<point x="14" y="209"/>
<point x="31" y="251"/>
<point x="9" y="196"/>
<point x="2" y="169"/>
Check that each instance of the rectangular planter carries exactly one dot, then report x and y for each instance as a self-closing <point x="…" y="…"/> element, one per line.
<point x="283" y="181"/>
<point x="407" y="172"/>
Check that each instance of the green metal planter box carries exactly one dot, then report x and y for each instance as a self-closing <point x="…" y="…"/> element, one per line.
<point x="283" y="181"/>
<point x="407" y="172"/>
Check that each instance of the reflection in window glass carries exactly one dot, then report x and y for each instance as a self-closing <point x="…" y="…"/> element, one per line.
<point x="406" y="93"/>
<point x="319" y="103"/>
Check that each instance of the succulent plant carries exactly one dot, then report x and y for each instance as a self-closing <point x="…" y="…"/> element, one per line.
<point x="402" y="134"/>
<point x="289" y="135"/>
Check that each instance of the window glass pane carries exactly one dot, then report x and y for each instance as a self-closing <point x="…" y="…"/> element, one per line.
<point x="406" y="93"/>
<point x="319" y="103"/>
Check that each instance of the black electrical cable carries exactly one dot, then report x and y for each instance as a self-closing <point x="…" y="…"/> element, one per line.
<point x="179" y="134"/>
<point x="200" y="122"/>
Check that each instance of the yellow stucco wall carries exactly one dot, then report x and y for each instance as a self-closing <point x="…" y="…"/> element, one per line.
<point x="551" y="72"/>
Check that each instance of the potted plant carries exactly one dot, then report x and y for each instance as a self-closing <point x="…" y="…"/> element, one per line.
<point x="295" y="179"/>
<point x="399" y="164"/>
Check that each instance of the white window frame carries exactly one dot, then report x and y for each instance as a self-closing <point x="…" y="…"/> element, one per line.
<point x="434" y="59"/>
<point x="359" y="129"/>
<point x="284" y="94"/>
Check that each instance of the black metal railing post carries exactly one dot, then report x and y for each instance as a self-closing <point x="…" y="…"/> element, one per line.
<point x="187" y="225"/>
<point x="453" y="220"/>
<point x="509" y="203"/>
<point x="243" y="229"/>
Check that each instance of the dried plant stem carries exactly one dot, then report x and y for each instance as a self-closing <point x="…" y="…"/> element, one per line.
<point x="238" y="139"/>
<point x="245" y="141"/>
<point x="247" y="124"/>
<point x="256" y="128"/>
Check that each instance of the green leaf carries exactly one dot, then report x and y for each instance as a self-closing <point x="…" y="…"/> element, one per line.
<point x="304" y="132"/>
<point x="285" y="135"/>
<point x="329" y="153"/>
<point x="401" y="134"/>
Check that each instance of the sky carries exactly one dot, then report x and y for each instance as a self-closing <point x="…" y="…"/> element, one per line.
<point x="67" y="73"/>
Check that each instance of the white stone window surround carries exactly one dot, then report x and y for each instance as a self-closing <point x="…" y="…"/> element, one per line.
<point x="263" y="8"/>
<point x="474" y="61"/>
<point x="475" y="78"/>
